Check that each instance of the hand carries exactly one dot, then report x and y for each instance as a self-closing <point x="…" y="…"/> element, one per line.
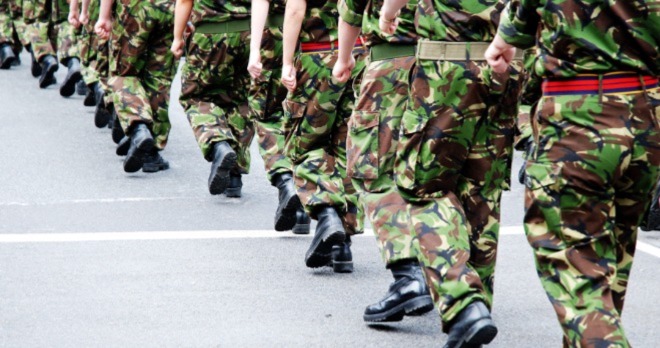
<point x="499" y="54"/>
<point x="289" y="77"/>
<point x="388" y="25"/>
<point x="73" y="19"/>
<point x="254" y="65"/>
<point x="342" y="69"/>
<point x="177" y="48"/>
<point x="84" y="18"/>
<point x="103" y="28"/>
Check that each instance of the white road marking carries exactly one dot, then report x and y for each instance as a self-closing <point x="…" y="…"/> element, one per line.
<point x="96" y="200"/>
<point x="218" y="234"/>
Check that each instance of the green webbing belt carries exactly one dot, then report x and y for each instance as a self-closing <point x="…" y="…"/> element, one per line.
<point x="275" y="21"/>
<point x="234" y="26"/>
<point x="388" y="51"/>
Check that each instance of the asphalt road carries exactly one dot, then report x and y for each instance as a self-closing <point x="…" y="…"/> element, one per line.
<point x="101" y="258"/>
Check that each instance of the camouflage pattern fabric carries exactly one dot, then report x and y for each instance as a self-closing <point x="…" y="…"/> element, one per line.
<point x="458" y="20"/>
<point x="365" y="14"/>
<point x="592" y="28"/>
<point x="265" y="99"/>
<point x="531" y="93"/>
<point x="68" y="38"/>
<point x="94" y="52"/>
<point x="320" y="24"/>
<point x="142" y="66"/>
<point x="215" y="84"/>
<point x="452" y="164"/>
<point x="211" y="11"/>
<point x="373" y="136"/>
<point x="582" y="211"/>
<point x="318" y="111"/>
<point x="595" y="159"/>
<point x="42" y="35"/>
<point x="7" y="31"/>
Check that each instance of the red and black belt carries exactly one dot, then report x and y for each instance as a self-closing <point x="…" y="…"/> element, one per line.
<point x="315" y="47"/>
<point x="612" y="83"/>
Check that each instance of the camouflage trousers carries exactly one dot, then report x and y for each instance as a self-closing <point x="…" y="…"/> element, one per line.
<point x="588" y="185"/>
<point x="373" y="136"/>
<point x="10" y="26"/>
<point x="49" y="31"/>
<point x="142" y="66"/>
<point x="265" y="98"/>
<point x="94" y="52"/>
<point x="318" y="111"/>
<point x="453" y="161"/>
<point x="214" y="93"/>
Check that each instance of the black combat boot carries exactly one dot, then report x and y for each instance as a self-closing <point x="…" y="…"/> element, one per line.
<point x="224" y="160"/>
<point x="142" y="143"/>
<point x="289" y="203"/>
<point x="234" y="187"/>
<point x="407" y="295"/>
<point x="102" y="113"/>
<point x="117" y="131"/>
<point x="7" y="56"/>
<point x="36" y="67"/>
<point x="90" y="95"/>
<point x="49" y="66"/>
<point x="72" y="77"/>
<point x="81" y="88"/>
<point x="342" y="258"/>
<point x="303" y="222"/>
<point x="472" y="327"/>
<point x="329" y="232"/>
<point x="17" y="61"/>
<point x="154" y="162"/>
<point x="123" y="146"/>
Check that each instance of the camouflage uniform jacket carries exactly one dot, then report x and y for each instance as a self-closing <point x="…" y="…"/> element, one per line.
<point x="320" y="24"/>
<point x="365" y="13"/>
<point x="587" y="36"/>
<point x="458" y="20"/>
<point x="219" y="11"/>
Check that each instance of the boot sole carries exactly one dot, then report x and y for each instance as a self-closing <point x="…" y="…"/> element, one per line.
<point x="481" y="332"/>
<point x="122" y="150"/>
<point x="233" y="192"/>
<point x="301" y="229"/>
<point x="89" y="100"/>
<point x="49" y="77"/>
<point x="153" y="168"/>
<point x="6" y="64"/>
<point x="342" y="266"/>
<point x="134" y="161"/>
<point x="36" y="72"/>
<point x="101" y="116"/>
<point x="413" y="307"/>
<point x="285" y="219"/>
<point x="220" y="180"/>
<point x="69" y="85"/>
<point x="320" y="253"/>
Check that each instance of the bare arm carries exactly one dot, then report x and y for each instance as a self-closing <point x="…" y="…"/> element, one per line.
<point x="258" y="22"/>
<point x="74" y="15"/>
<point x="293" y="18"/>
<point x="345" y="62"/>
<point x="84" y="12"/>
<point x="103" y="27"/>
<point x="182" y="12"/>
<point x="389" y="15"/>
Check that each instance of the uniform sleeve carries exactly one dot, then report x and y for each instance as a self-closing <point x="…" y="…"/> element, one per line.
<point x="519" y="23"/>
<point x="351" y="11"/>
